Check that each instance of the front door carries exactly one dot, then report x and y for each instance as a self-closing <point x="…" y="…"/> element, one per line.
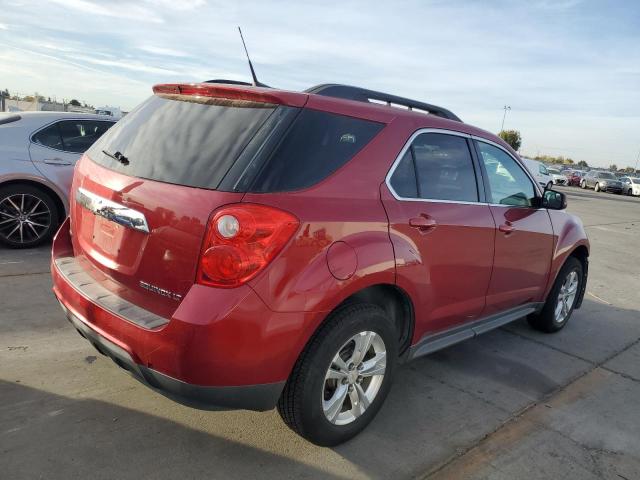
<point x="442" y="233"/>
<point x="524" y="237"/>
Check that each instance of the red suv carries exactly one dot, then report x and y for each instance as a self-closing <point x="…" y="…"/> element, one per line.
<point x="244" y="247"/>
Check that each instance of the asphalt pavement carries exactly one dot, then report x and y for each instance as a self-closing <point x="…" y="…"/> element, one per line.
<point x="511" y="404"/>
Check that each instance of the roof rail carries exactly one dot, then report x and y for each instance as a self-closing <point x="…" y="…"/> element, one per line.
<point x="371" y="96"/>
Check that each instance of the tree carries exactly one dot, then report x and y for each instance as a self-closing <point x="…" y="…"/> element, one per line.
<point x="75" y="103"/>
<point x="582" y="163"/>
<point x="512" y="137"/>
<point x="613" y="167"/>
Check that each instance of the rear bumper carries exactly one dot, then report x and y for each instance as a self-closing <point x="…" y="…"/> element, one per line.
<point x="250" y="397"/>
<point x="220" y="347"/>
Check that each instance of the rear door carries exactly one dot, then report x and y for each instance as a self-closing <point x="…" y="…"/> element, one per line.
<point x="442" y="232"/>
<point x="524" y="237"/>
<point x="56" y="148"/>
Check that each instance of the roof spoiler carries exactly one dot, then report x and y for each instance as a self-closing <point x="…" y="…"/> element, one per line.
<point x="228" y="91"/>
<point x="371" y="96"/>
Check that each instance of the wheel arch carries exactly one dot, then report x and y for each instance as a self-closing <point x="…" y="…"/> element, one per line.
<point x="396" y="303"/>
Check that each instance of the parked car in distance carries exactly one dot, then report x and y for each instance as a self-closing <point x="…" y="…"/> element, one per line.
<point x="38" y="151"/>
<point x="540" y="172"/>
<point x="254" y="248"/>
<point x="556" y="177"/>
<point x="601" y="181"/>
<point x="574" y="177"/>
<point x="630" y="185"/>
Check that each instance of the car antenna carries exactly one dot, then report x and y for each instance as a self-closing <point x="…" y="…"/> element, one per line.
<point x="256" y="83"/>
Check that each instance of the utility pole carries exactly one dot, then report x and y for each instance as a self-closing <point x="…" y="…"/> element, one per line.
<point x="506" y="107"/>
<point x="635" y="169"/>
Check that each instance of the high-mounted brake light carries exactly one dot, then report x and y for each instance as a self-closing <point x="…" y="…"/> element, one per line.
<point x="240" y="241"/>
<point x="232" y="92"/>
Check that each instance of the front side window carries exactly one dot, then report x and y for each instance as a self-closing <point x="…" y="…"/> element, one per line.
<point x="508" y="182"/>
<point x="436" y="167"/>
<point x="543" y="170"/>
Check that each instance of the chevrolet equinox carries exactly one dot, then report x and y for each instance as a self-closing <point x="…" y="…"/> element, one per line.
<point x="250" y="248"/>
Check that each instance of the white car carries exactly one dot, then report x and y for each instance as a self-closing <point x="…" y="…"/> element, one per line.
<point x="38" y="151"/>
<point x="630" y="185"/>
<point x="557" y="177"/>
<point x="540" y="172"/>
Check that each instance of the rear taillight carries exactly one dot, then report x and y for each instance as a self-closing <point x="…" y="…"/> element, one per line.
<point x="241" y="240"/>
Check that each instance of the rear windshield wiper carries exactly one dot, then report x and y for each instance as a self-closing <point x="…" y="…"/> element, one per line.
<point x="118" y="157"/>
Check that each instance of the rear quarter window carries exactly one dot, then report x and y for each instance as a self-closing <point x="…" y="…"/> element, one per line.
<point x="316" y="145"/>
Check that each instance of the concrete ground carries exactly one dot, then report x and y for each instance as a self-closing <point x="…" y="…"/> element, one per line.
<point x="513" y="403"/>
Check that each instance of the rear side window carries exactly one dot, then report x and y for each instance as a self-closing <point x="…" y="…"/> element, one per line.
<point x="79" y="135"/>
<point x="316" y="145"/>
<point x="187" y="141"/>
<point x="49" y="137"/>
<point x="440" y="167"/>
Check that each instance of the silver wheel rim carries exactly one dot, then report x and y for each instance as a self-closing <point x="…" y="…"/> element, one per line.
<point x="24" y="218"/>
<point x="566" y="296"/>
<point x="354" y="378"/>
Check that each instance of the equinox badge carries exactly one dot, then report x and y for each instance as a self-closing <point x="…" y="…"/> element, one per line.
<point x="160" y="291"/>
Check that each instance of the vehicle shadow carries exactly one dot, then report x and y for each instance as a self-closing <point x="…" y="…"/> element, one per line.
<point x="439" y="406"/>
<point x="49" y="436"/>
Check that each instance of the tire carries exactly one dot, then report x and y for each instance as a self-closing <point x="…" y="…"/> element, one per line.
<point x="583" y="185"/>
<point x="629" y="193"/>
<point x="306" y="399"/>
<point x="28" y="214"/>
<point x="549" y="186"/>
<point x="547" y="320"/>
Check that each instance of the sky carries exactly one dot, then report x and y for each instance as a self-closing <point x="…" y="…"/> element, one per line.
<point x="569" y="69"/>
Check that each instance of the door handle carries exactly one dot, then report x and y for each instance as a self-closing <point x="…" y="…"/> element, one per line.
<point x="56" y="161"/>
<point x="507" y="227"/>
<point x="423" y="223"/>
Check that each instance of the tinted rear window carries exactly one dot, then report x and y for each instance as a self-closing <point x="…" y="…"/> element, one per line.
<point x="232" y="146"/>
<point x="181" y="142"/>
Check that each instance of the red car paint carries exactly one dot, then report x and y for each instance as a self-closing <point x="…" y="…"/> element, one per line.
<point x="458" y="263"/>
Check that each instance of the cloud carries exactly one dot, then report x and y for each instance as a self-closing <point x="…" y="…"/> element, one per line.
<point x="127" y="65"/>
<point x="116" y="9"/>
<point x="163" y="51"/>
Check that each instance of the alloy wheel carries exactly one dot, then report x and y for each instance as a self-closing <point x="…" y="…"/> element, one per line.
<point x="566" y="297"/>
<point x="354" y="378"/>
<point x="24" y="218"/>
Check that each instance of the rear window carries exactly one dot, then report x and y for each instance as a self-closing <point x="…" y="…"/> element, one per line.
<point x="232" y="146"/>
<point x="181" y="142"/>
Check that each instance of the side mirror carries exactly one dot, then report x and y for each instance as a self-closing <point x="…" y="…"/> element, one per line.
<point x="554" y="200"/>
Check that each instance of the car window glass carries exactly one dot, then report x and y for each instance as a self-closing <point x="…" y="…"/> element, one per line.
<point x="49" y="137"/>
<point x="403" y="180"/>
<point x="443" y="169"/>
<point x="543" y="170"/>
<point x="508" y="182"/>
<point x="79" y="135"/>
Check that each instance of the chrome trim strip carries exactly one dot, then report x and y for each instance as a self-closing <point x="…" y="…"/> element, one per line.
<point x="112" y="211"/>
<point x="404" y="150"/>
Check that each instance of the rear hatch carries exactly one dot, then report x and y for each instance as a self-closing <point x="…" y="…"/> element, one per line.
<point x="143" y="193"/>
